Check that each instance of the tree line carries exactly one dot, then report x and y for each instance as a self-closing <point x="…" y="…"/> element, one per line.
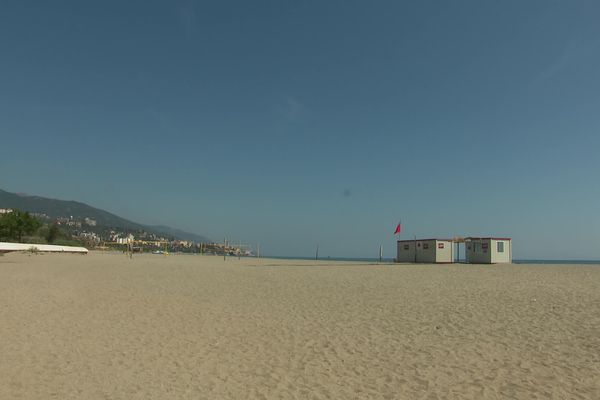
<point x="17" y="226"/>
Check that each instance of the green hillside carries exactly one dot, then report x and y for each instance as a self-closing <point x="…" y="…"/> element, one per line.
<point x="54" y="208"/>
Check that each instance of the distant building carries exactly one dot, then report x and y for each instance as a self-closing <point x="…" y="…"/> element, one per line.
<point x="128" y="239"/>
<point x="488" y="250"/>
<point x="426" y="251"/>
<point x="5" y="210"/>
<point x="90" y="222"/>
<point x="91" y="236"/>
<point x="73" y="223"/>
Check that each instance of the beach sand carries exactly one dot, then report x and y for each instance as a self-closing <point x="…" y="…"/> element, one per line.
<point x="103" y="326"/>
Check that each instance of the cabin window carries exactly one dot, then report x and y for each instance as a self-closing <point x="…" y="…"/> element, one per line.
<point x="425" y="246"/>
<point x="500" y="247"/>
<point x="405" y="247"/>
<point x="440" y="245"/>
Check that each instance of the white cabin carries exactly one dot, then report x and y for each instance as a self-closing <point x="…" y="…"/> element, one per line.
<point x="488" y="250"/>
<point x="425" y="251"/>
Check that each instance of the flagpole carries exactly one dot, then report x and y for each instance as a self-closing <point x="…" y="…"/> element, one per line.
<point x="398" y="232"/>
<point x="415" y="249"/>
<point x="399" y="236"/>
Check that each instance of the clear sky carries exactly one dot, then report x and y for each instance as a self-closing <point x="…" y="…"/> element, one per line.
<point x="296" y="123"/>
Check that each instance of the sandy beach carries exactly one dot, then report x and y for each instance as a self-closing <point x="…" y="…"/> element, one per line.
<point x="103" y="326"/>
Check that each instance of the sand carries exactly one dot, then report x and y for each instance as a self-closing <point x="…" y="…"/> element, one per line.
<point x="103" y="326"/>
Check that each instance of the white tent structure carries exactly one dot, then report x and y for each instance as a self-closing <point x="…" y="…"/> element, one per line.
<point x="46" y="248"/>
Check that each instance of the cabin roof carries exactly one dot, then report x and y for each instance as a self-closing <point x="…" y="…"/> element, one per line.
<point x="424" y="240"/>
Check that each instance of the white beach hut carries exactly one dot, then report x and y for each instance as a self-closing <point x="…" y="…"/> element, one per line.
<point x="488" y="250"/>
<point x="425" y="251"/>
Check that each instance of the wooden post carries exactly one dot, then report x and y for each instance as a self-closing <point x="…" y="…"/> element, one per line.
<point x="415" y="249"/>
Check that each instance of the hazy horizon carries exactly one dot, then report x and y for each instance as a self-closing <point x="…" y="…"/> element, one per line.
<point x="292" y="125"/>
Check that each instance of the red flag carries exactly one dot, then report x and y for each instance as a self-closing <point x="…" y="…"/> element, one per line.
<point x="398" y="228"/>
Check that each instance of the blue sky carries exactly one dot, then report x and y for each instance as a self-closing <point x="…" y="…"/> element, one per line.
<point x="296" y="123"/>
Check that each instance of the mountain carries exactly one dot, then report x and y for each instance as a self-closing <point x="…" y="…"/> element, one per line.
<point x="54" y="208"/>
<point x="178" y="233"/>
